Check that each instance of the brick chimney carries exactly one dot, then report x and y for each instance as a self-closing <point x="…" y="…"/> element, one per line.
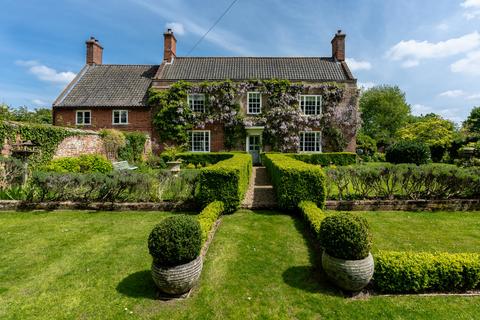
<point x="169" y="46"/>
<point x="338" y="46"/>
<point x="94" y="51"/>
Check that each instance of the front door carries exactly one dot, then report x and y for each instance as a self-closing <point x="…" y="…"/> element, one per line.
<point x="254" y="147"/>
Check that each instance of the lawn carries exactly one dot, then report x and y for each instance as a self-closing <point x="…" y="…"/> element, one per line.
<point x="70" y="265"/>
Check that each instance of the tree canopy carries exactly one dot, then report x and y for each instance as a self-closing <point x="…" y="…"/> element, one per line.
<point x="22" y="114"/>
<point x="472" y="124"/>
<point x="384" y="111"/>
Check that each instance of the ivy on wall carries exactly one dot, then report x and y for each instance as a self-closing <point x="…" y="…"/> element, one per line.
<point x="281" y="115"/>
<point x="46" y="137"/>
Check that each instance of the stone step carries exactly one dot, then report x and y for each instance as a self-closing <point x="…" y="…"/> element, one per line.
<point x="260" y="194"/>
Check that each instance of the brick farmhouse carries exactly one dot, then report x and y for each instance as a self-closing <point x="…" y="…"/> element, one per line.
<point x="115" y="96"/>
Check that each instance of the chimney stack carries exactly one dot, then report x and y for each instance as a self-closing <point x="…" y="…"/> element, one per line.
<point x="169" y="46"/>
<point x="338" y="46"/>
<point x="94" y="51"/>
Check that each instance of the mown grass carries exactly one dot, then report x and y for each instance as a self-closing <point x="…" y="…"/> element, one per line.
<point x="80" y="265"/>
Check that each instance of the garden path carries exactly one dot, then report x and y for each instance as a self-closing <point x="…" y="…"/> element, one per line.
<point x="260" y="193"/>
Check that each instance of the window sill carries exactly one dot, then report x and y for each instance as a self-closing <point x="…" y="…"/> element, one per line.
<point x="120" y="124"/>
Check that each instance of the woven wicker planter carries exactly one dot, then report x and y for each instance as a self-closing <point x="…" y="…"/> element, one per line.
<point x="179" y="279"/>
<point x="350" y="275"/>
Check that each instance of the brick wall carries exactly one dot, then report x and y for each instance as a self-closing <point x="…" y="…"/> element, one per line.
<point x="139" y="119"/>
<point x="75" y="146"/>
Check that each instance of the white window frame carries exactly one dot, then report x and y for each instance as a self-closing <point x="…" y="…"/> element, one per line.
<point x="318" y="104"/>
<point x="317" y="141"/>
<point x="259" y="106"/>
<point x="191" y="101"/>
<point x="83" y="118"/>
<point x="204" y="143"/>
<point x="119" y="117"/>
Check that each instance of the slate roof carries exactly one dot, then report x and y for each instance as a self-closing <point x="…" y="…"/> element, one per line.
<point x="245" y="68"/>
<point x="108" y="86"/>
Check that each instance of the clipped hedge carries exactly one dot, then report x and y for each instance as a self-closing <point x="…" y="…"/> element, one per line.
<point x="199" y="157"/>
<point x="225" y="181"/>
<point x="313" y="214"/>
<point x="328" y="158"/>
<point x="208" y="216"/>
<point x="408" y="152"/>
<point x="295" y="181"/>
<point x="83" y="164"/>
<point x="405" y="272"/>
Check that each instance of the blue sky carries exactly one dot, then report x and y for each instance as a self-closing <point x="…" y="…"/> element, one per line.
<point x="430" y="48"/>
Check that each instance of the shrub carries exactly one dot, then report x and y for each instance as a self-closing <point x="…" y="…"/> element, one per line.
<point x="295" y="181"/>
<point x="11" y="172"/>
<point x="403" y="272"/>
<point x="177" y="187"/>
<point x="155" y="162"/>
<point x="326" y="159"/>
<point x="196" y="158"/>
<point x="134" y="146"/>
<point x="408" y="152"/>
<point x="313" y="214"/>
<point x="113" y="140"/>
<point x="208" y="216"/>
<point x="226" y="181"/>
<point x="345" y="236"/>
<point x="82" y="164"/>
<point x="175" y="240"/>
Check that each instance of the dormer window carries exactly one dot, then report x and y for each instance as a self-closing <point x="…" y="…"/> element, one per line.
<point x="196" y="102"/>
<point x="311" y="104"/>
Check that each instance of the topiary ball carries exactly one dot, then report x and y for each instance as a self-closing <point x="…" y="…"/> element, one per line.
<point x="345" y="236"/>
<point x="408" y="152"/>
<point x="175" y="240"/>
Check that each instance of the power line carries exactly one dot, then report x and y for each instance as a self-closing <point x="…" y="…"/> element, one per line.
<point x="213" y="26"/>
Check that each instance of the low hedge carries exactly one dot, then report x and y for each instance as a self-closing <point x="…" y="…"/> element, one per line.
<point x="226" y="181"/>
<point x="199" y="157"/>
<point x="313" y="214"/>
<point x="326" y="159"/>
<point x="295" y="181"/>
<point x="87" y="163"/>
<point x="413" y="272"/>
<point x="208" y="216"/>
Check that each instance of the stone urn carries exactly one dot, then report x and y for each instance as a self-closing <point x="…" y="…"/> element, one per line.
<point x="174" y="166"/>
<point x="349" y="275"/>
<point x="179" y="279"/>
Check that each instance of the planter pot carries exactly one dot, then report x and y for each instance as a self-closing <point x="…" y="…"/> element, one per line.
<point x="174" y="166"/>
<point x="179" y="279"/>
<point x="350" y="275"/>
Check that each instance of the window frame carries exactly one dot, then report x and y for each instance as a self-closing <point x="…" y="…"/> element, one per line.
<point x="119" y="117"/>
<point x="259" y="102"/>
<point x="191" y="100"/>
<point x="191" y="132"/>
<point x="318" y="105"/>
<point x="83" y="117"/>
<point x="318" y="139"/>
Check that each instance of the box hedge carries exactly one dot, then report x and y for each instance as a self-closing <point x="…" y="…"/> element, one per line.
<point x="413" y="272"/>
<point x="208" y="216"/>
<point x="225" y="181"/>
<point x="313" y="214"/>
<point x="326" y="159"/>
<point x="295" y="181"/>
<point x="199" y="157"/>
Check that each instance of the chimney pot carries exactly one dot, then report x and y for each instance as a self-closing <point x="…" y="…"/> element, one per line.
<point x="94" y="51"/>
<point x="169" y="45"/>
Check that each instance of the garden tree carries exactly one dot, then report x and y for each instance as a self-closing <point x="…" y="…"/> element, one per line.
<point x="472" y="124"/>
<point x="22" y="114"/>
<point x="436" y="132"/>
<point x="384" y="111"/>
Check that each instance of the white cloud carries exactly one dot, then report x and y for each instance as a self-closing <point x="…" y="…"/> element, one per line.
<point x="355" y="65"/>
<point x="471" y="4"/>
<point x="413" y="51"/>
<point x="39" y="102"/>
<point x="455" y="114"/>
<point x="366" y="85"/>
<point x="473" y="7"/>
<point x="452" y="93"/>
<point x="469" y="65"/>
<point x="177" y="27"/>
<point x="47" y="74"/>
<point x="475" y="96"/>
<point x="443" y="26"/>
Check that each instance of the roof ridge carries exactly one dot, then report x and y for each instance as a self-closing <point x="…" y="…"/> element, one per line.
<point x="255" y="57"/>
<point x="124" y="65"/>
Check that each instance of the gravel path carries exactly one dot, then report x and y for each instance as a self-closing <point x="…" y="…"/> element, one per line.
<point x="260" y="194"/>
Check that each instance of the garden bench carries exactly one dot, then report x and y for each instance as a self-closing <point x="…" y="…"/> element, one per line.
<point x="123" y="165"/>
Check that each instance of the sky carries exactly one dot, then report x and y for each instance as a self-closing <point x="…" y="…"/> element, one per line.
<point x="429" y="48"/>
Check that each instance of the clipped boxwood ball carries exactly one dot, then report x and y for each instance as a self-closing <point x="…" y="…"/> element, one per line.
<point x="345" y="236"/>
<point x="175" y="240"/>
<point x="408" y="152"/>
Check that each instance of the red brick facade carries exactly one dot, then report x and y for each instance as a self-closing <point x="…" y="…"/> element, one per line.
<point x="139" y="119"/>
